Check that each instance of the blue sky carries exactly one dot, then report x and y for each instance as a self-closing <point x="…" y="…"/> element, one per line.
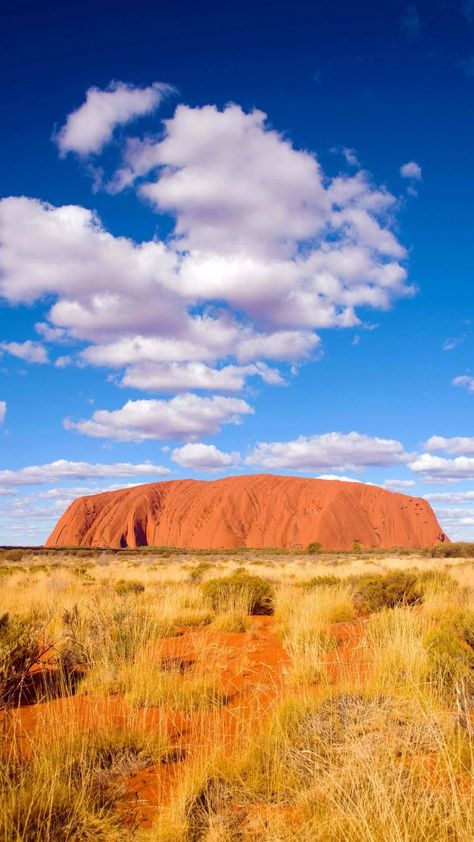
<point x="235" y="238"/>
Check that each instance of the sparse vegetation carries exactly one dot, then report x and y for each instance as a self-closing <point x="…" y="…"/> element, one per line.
<point x="240" y="590"/>
<point x="374" y="592"/>
<point x="305" y="700"/>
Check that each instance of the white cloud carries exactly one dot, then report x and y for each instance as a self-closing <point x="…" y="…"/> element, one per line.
<point x="438" y="469"/>
<point x="180" y="377"/>
<point x="351" y="156"/>
<point x="411" y="170"/>
<point x="399" y="484"/>
<point x="3" y="411"/>
<point x="332" y="451"/>
<point x="63" y="469"/>
<point x="266" y="250"/>
<point x="281" y="345"/>
<point x="465" y="381"/>
<point x="185" y="416"/>
<point x="205" y="457"/>
<point x="340" y="478"/>
<point x="457" y="445"/>
<point x="31" y="352"/>
<point x="91" y="126"/>
<point x="454" y="497"/>
<point x="451" y="344"/>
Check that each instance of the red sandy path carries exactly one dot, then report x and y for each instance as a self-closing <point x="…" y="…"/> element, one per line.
<point x="252" y="675"/>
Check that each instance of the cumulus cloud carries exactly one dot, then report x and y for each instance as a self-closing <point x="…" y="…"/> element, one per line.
<point x="186" y="416"/>
<point x="90" y="127"/>
<point x="204" y="457"/>
<point x="399" y="484"/>
<point x="437" y="469"/>
<point x="411" y="170"/>
<point x="180" y="377"/>
<point x="3" y="411"/>
<point x="465" y="382"/>
<point x="457" y="445"/>
<point x="451" y="497"/>
<point x="333" y="451"/>
<point x="62" y="469"/>
<point x="265" y="251"/>
<point x="31" y="352"/>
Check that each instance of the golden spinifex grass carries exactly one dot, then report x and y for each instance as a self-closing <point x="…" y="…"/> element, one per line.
<point x="343" y="712"/>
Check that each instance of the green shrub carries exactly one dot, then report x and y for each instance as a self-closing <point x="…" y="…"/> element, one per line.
<point x="124" y="587"/>
<point x="240" y="590"/>
<point x="458" y="549"/>
<point x="373" y="592"/>
<point x="314" y="547"/>
<point x="356" y="547"/>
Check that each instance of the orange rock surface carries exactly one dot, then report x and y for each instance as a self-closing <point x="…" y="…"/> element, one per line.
<point x="262" y="510"/>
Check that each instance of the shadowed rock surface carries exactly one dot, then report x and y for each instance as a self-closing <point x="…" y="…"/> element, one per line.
<point x="262" y="510"/>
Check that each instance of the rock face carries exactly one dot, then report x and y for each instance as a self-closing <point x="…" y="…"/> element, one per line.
<point x="248" y="511"/>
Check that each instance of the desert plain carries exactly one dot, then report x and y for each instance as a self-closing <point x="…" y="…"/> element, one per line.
<point x="157" y="694"/>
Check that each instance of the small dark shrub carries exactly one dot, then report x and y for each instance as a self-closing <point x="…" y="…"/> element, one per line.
<point x="240" y="587"/>
<point x="124" y="587"/>
<point x="374" y="592"/>
<point x="314" y="548"/>
<point x="356" y="547"/>
<point x="12" y="555"/>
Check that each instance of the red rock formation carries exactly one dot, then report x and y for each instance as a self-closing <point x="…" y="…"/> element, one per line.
<point x="248" y="511"/>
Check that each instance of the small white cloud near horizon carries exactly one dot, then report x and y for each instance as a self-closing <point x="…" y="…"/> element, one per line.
<point x="398" y="484"/>
<point x="340" y="478"/>
<point x="90" y="127"/>
<point x="205" y="457"/>
<point x="63" y="469"/>
<point x="332" y="451"/>
<point x="29" y="351"/>
<point x="3" y="411"/>
<point x="411" y="170"/>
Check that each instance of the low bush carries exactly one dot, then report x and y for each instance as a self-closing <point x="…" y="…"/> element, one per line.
<point x="373" y="592"/>
<point x="19" y="650"/>
<point x="314" y="547"/>
<point x="240" y="591"/>
<point x="14" y="555"/>
<point x="458" y="549"/>
<point x="124" y="587"/>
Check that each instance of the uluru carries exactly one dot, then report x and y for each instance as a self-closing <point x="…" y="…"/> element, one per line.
<point x="262" y="510"/>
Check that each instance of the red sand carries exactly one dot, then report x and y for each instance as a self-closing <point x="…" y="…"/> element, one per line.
<point x="262" y="510"/>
